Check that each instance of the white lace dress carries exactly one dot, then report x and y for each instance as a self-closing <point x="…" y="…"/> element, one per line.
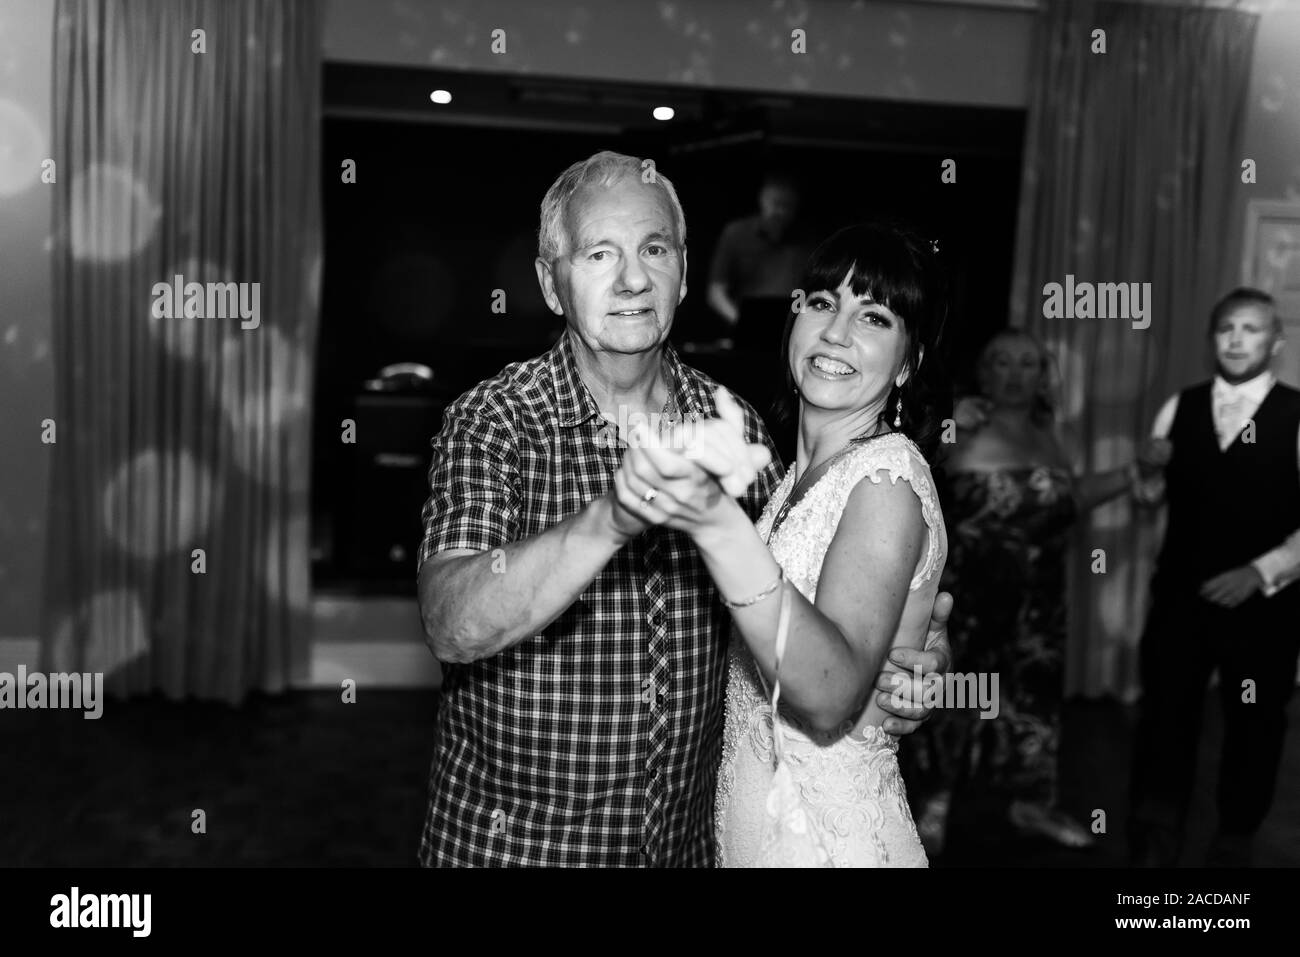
<point x="848" y="784"/>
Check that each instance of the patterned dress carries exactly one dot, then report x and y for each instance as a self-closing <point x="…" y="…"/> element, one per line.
<point x="1006" y="572"/>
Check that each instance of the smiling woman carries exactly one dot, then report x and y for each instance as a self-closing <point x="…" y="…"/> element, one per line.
<point x="873" y="311"/>
<point x="862" y="557"/>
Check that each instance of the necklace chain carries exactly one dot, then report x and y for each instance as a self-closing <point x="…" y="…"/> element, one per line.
<point x="794" y="495"/>
<point x="670" y="405"/>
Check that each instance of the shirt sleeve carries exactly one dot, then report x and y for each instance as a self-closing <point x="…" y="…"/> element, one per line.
<point x="1165" y="418"/>
<point x="1152" y="490"/>
<point x="756" y="496"/>
<point x="1281" y="566"/>
<point x="474" y="494"/>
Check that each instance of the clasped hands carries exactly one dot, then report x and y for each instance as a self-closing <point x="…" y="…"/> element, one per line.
<point x="689" y="477"/>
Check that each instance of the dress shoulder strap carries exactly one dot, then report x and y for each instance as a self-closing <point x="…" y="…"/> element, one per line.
<point x="896" y="457"/>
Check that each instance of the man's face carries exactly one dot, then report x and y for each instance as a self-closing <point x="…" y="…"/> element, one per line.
<point x="1245" y="340"/>
<point x="778" y="206"/>
<point x="622" y="270"/>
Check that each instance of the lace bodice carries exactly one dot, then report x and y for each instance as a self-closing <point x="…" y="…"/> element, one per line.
<point x="806" y="532"/>
<point x="848" y="781"/>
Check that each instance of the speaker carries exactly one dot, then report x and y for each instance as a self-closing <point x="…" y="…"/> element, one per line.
<point x="387" y="485"/>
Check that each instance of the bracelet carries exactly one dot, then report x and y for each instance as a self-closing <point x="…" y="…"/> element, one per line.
<point x="761" y="595"/>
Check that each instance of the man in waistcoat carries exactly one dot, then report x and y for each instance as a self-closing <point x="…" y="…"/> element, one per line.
<point x="1223" y="594"/>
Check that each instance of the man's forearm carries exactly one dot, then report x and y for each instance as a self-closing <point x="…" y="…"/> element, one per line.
<point x="475" y="606"/>
<point x="721" y="301"/>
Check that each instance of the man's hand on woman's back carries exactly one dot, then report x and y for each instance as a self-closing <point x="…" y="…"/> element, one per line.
<point x="898" y="681"/>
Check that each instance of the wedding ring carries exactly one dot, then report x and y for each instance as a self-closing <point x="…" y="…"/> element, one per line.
<point x="650" y="495"/>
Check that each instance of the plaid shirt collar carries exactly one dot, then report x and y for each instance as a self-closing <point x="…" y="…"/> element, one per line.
<point x="574" y="401"/>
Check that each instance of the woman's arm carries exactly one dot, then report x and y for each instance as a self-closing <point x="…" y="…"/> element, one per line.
<point x="1100" y="487"/>
<point x="836" y="647"/>
<point x="1094" y="488"/>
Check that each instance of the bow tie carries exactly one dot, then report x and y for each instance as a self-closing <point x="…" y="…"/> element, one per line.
<point x="1231" y="403"/>
<point x="1229" y="417"/>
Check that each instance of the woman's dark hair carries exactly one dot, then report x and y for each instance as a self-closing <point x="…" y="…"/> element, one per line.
<point x="901" y="270"/>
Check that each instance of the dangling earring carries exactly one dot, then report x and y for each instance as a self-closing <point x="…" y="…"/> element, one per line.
<point x="898" y="411"/>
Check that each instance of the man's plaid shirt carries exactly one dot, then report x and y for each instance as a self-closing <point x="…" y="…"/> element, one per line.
<point x="597" y="741"/>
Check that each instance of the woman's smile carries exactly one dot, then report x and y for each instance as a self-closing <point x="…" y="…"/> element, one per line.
<point x="826" y="367"/>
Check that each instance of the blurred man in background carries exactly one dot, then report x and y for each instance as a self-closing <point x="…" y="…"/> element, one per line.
<point x="758" y="258"/>
<point x="1224" y="593"/>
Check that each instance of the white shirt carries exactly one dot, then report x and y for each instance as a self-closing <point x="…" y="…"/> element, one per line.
<point x="1233" y="407"/>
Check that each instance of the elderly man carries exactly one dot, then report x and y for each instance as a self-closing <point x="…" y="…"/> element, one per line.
<point x="585" y="647"/>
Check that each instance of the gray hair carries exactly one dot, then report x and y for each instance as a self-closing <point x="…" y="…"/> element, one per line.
<point x="601" y="169"/>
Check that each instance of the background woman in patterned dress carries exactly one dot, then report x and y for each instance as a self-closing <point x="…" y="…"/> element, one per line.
<point x="1010" y="497"/>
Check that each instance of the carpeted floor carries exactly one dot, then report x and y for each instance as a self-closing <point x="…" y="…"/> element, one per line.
<point x="306" y="780"/>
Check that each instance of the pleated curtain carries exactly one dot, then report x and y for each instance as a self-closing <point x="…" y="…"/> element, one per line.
<point x="187" y="144"/>
<point x="1132" y="153"/>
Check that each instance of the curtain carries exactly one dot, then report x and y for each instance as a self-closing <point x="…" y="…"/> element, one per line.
<point x="187" y="254"/>
<point x="1131" y="159"/>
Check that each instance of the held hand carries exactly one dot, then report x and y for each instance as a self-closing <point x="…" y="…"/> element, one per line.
<point x="898" y="682"/>
<point x="1153" y="456"/>
<point x="629" y="513"/>
<point x="719" y="446"/>
<point x="971" y="412"/>
<point x="1232" y="587"/>
<point x="626" y="515"/>
<point x="649" y="485"/>
<point x="660" y="486"/>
